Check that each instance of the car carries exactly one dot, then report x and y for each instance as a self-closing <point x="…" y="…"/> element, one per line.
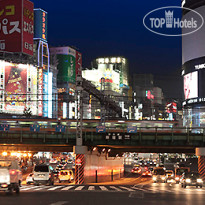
<point x="179" y="171"/>
<point x="147" y="173"/>
<point x="55" y="173"/>
<point x="136" y="170"/>
<point x="191" y="179"/>
<point x="29" y="179"/>
<point x="65" y="175"/>
<point x="43" y="174"/>
<point x="10" y="175"/>
<point x="170" y="176"/>
<point x="159" y="175"/>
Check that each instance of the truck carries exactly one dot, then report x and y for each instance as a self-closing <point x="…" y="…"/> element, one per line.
<point x="10" y="175"/>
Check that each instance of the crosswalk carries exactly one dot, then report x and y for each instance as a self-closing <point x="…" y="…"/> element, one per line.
<point x="152" y="189"/>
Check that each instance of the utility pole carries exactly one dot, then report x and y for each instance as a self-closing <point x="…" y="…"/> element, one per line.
<point x="79" y="99"/>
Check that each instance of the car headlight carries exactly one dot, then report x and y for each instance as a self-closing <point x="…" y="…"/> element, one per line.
<point x="154" y="178"/>
<point x="199" y="180"/>
<point x="188" y="180"/>
<point x="177" y="178"/>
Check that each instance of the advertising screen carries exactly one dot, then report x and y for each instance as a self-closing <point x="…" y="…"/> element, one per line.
<point x="16" y="33"/>
<point x="40" y="20"/>
<point x="15" y="88"/>
<point x="191" y="85"/>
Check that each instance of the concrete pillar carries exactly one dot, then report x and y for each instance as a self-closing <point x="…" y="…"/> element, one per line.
<point x="80" y="152"/>
<point x="200" y="152"/>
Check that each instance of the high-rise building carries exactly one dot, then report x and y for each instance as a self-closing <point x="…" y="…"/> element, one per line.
<point x="193" y="69"/>
<point x="110" y="75"/>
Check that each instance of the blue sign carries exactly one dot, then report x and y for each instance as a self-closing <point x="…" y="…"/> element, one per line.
<point x="4" y="127"/>
<point x="132" y="129"/>
<point x="35" y="128"/>
<point x="101" y="129"/>
<point x="60" y="128"/>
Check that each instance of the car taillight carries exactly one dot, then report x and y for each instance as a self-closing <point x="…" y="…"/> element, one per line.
<point x="132" y="170"/>
<point x="12" y="172"/>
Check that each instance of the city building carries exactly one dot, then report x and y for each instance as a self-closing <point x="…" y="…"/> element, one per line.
<point x="69" y="64"/>
<point x="110" y="75"/>
<point x="47" y="71"/>
<point x="193" y="70"/>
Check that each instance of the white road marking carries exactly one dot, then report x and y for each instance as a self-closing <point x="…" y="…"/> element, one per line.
<point x="54" y="188"/>
<point x="140" y="189"/>
<point x="91" y="188"/>
<point x="103" y="188"/>
<point x="27" y="188"/>
<point x="128" y="189"/>
<point x="67" y="188"/>
<point x="113" y="187"/>
<point x="79" y="188"/>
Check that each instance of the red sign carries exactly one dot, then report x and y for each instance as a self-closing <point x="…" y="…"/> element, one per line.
<point x="78" y="64"/>
<point x="40" y="91"/>
<point x="78" y="161"/>
<point x="28" y="27"/>
<point x="16" y="20"/>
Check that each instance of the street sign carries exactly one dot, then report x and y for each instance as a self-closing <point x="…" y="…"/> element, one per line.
<point x="4" y="127"/>
<point x="132" y="129"/>
<point x="60" y="128"/>
<point x="78" y="162"/>
<point x="101" y="129"/>
<point x="35" y="128"/>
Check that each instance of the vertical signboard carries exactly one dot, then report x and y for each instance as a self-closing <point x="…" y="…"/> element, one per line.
<point x="16" y="20"/>
<point x="40" y="91"/>
<point x="40" y="20"/>
<point x="45" y="94"/>
<point x="28" y="27"/>
<point x="66" y="58"/>
<point x="78" y="64"/>
<point x="71" y="65"/>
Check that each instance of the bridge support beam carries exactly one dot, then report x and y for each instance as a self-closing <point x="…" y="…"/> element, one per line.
<point x="96" y="166"/>
<point x="200" y="152"/>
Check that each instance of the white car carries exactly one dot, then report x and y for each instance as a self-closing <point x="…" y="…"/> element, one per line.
<point x="10" y="175"/>
<point x="29" y="179"/>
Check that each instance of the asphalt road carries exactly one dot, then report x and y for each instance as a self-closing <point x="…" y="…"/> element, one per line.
<point x="141" y="194"/>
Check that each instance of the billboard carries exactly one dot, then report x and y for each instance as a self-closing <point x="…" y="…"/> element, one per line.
<point x="66" y="58"/>
<point x="191" y="85"/>
<point x="28" y="27"/>
<point x="16" y="20"/>
<point x="15" y="88"/>
<point x="40" y="91"/>
<point x="40" y="21"/>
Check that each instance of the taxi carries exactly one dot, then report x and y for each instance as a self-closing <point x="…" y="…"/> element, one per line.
<point x="65" y="176"/>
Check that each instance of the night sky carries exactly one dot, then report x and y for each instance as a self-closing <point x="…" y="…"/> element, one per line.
<point x="113" y="27"/>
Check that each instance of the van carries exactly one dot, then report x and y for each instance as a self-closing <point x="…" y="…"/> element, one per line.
<point x="159" y="175"/>
<point x="43" y="174"/>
